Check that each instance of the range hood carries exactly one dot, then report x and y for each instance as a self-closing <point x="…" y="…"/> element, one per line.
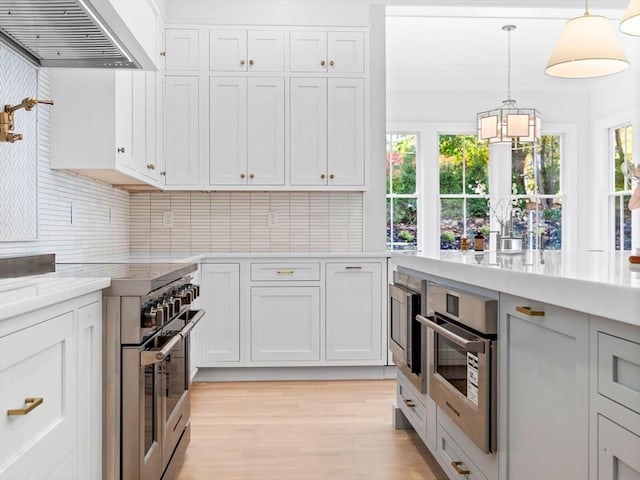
<point x="61" y="33"/>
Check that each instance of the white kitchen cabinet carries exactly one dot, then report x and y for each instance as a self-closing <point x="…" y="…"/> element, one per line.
<point x="219" y="330"/>
<point x="331" y="52"/>
<point x="285" y="323"/>
<point x="246" y="131"/>
<point x="181" y="49"/>
<point x="618" y="452"/>
<point x="108" y="140"/>
<point x="354" y="313"/>
<point x="246" y="50"/>
<point x="51" y="369"/>
<point x="181" y="130"/>
<point x="327" y="124"/>
<point x="544" y="398"/>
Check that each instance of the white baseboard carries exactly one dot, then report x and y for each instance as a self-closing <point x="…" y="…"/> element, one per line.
<point x="253" y="374"/>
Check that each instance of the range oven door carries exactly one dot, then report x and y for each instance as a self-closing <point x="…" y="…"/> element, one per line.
<point x="407" y="339"/>
<point x="462" y="378"/>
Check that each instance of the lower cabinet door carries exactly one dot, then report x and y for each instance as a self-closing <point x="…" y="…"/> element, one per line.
<point x="285" y="323"/>
<point x="456" y="463"/>
<point x="618" y="452"/>
<point x="38" y="401"/>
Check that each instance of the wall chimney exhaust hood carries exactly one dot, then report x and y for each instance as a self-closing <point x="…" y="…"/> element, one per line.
<point x="61" y="33"/>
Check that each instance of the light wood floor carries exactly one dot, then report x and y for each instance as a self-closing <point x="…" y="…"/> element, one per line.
<point x="317" y="430"/>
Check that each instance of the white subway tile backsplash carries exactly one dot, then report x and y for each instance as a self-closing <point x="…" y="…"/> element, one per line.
<point x="239" y="222"/>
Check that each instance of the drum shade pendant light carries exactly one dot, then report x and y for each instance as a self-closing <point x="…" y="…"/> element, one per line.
<point x="508" y="123"/>
<point x="587" y="47"/>
<point x="630" y="23"/>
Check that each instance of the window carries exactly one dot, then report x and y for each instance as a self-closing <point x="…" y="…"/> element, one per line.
<point x="621" y="190"/>
<point x="535" y="186"/>
<point x="464" y="189"/>
<point x="402" y="197"/>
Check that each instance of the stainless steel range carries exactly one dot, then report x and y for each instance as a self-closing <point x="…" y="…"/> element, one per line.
<point x="147" y="317"/>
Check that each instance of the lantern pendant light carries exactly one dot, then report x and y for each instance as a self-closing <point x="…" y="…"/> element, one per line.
<point x="587" y="47"/>
<point x="508" y="123"/>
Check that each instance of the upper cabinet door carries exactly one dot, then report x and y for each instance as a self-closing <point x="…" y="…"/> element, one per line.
<point x="228" y="50"/>
<point x="266" y="51"/>
<point x="181" y="49"/>
<point x="265" y="132"/>
<point x="308" y="51"/>
<point x="346" y="135"/>
<point x="345" y="51"/>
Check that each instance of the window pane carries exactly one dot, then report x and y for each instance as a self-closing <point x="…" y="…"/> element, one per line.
<point x="622" y="223"/>
<point x="401" y="164"/>
<point x="549" y="183"/>
<point x="451" y="222"/>
<point x="451" y="169"/>
<point x="478" y="219"/>
<point x="402" y="231"/>
<point x="621" y="157"/>
<point x="476" y="166"/>
<point x="541" y="223"/>
<point x="537" y="171"/>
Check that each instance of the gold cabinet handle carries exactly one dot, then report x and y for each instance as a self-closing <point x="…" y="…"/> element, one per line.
<point x="251" y="175"/>
<point x="151" y="166"/>
<point x="242" y="175"/>
<point x="163" y="54"/>
<point x="323" y="63"/>
<point x="163" y="173"/>
<point x="120" y="149"/>
<point x="285" y="272"/>
<point x="529" y="312"/>
<point x="353" y="267"/>
<point x="332" y="176"/>
<point x="323" y="176"/>
<point x="461" y="471"/>
<point x="242" y="62"/>
<point x="250" y="62"/>
<point x="30" y="402"/>
<point x="332" y="63"/>
<point x="409" y="403"/>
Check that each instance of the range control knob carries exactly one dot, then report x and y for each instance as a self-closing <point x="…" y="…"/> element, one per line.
<point x="169" y="306"/>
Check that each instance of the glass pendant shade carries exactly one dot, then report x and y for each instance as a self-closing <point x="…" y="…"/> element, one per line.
<point x="630" y="23"/>
<point x="587" y="47"/>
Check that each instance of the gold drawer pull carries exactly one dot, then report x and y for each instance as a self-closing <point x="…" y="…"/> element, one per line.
<point x="409" y="403"/>
<point x="31" y="402"/>
<point x="456" y="467"/>
<point x="531" y="313"/>
<point x="353" y="268"/>
<point x="285" y="272"/>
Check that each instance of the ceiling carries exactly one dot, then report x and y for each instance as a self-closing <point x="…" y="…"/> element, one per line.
<point x="462" y="47"/>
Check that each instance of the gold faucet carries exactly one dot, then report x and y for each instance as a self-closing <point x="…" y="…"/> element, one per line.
<point x="6" y="118"/>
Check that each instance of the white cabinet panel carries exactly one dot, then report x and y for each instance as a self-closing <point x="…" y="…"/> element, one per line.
<point x="181" y="49"/>
<point x="308" y="125"/>
<point x="228" y="50"/>
<point x="544" y="360"/>
<point x="124" y="117"/>
<point x="346" y="122"/>
<point x="265" y="51"/>
<point x="242" y="50"/>
<point x="181" y="130"/>
<point x="37" y="362"/>
<point x="285" y="323"/>
<point x="345" y="51"/>
<point x="618" y="452"/>
<point x="308" y="51"/>
<point x="354" y="311"/>
<point x="619" y="370"/>
<point x="228" y="130"/>
<point x="265" y="131"/>
<point x="219" y="330"/>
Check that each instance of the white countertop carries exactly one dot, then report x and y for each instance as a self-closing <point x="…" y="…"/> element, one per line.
<point x="25" y="294"/>
<point x="595" y="282"/>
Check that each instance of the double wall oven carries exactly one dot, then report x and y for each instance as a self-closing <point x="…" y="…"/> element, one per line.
<point x="462" y="343"/>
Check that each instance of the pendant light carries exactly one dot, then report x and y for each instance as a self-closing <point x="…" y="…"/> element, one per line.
<point x="630" y="23"/>
<point x="508" y="123"/>
<point x="587" y="47"/>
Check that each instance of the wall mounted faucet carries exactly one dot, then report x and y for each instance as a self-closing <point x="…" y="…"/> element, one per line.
<point x="6" y="118"/>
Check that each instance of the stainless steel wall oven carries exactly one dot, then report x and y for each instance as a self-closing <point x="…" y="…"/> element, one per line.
<point x="407" y="337"/>
<point x="463" y="360"/>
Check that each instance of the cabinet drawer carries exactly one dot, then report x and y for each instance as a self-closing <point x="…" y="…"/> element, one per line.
<point x="412" y="407"/>
<point x="619" y="370"/>
<point x="36" y="363"/>
<point x="455" y="462"/>
<point x="618" y="449"/>
<point x="266" y="272"/>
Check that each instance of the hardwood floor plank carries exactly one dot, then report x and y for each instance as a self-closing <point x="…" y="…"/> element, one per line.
<point x="313" y="430"/>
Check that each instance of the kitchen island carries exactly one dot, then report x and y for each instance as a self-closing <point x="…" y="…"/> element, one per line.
<point x="568" y="368"/>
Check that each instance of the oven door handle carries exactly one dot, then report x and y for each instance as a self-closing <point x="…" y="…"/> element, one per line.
<point x="151" y="356"/>
<point x="474" y="346"/>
